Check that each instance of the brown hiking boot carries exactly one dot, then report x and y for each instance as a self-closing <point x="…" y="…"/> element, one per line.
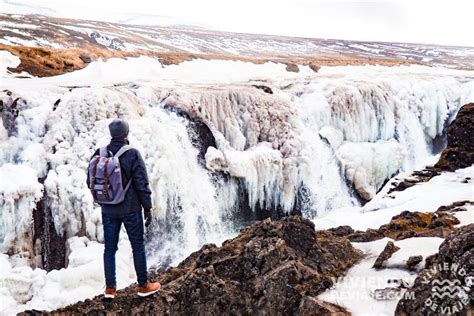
<point x="110" y="292"/>
<point x="148" y="289"/>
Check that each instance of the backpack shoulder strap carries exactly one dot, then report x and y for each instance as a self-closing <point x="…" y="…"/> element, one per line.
<point x="123" y="150"/>
<point x="103" y="151"/>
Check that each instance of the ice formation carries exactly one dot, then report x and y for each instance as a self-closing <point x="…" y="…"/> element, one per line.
<point x="311" y="143"/>
<point x="19" y="192"/>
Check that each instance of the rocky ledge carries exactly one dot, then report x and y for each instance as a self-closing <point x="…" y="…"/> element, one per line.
<point x="272" y="267"/>
<point x="406" y="225"/>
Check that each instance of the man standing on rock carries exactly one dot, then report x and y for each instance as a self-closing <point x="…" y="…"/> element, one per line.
<point x="118" y="181"/>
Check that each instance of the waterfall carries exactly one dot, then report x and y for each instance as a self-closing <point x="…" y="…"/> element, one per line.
<point x="317" y="142"/>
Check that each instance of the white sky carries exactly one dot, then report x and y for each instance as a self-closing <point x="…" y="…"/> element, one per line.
<point x="420" y="21"/>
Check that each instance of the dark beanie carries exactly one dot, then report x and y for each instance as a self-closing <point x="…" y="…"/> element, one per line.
<point x="118" y="128"/>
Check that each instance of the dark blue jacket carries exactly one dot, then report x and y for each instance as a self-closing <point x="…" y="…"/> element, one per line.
<point x="133" y="167"/>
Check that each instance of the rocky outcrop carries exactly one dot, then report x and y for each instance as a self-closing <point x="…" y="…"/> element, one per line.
<point x="416" y="177"/>
<point x="454" y="207"/>
<point x="446" y="286"/>
<point x="404" y="225"/>
<point x="460" y="150"/>
<point x="271" y="268"/>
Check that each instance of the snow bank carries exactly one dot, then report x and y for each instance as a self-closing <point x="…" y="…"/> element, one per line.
<point x="356" y="290"/>
<point x="7" y="59"/>
<point x="428" y="196"/>
<point x="22" y="287"/>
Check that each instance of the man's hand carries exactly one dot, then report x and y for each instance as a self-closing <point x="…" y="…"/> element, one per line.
<point x="148" y="217"/>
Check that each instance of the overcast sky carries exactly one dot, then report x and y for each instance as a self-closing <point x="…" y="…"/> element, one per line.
<point x="436" y="21"/>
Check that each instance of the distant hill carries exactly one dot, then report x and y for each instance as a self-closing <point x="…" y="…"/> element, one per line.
<point x="174" y="41"/>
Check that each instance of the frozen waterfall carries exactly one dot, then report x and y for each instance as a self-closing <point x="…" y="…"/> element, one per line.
<point x="317" y="142"/>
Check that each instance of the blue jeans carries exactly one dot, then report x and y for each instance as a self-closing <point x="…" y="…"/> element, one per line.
<point x="133" y="223"/>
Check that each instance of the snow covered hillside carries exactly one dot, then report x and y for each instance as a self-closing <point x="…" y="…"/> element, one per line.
<point x="121" y="39"/>
<point x="225" y="143"/>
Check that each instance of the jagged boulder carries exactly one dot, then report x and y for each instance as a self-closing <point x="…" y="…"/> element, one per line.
<point x="413" y="261"/>
<point x="446" y="285"/>
<point x="386" y="253"/>
<point x="271" y="268"/>
<point x="460" y="150"/>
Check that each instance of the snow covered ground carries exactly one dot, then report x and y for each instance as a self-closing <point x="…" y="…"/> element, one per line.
<point x="441" y="190"/>
<point x="164" y="34"/>
<point x="303" y="133"/>
<point x="356" y="290"/>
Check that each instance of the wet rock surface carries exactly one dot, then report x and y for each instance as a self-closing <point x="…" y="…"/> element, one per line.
<point x="445" y="286"/>
<point x="272" y="267"/>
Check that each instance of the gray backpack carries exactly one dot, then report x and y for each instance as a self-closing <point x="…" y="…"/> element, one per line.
<point x="105" y="177"/>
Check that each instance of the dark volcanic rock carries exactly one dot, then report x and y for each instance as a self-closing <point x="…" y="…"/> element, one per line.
<point x="460" y="150"/>
<point x="410" y="224"/>
<point x="85" y="58"/>
<point x="461" y="131"/>
<point x="292" y="68"/>
<point x="416" y="177"/>
<point x="455" y="158"/>
<point x="265" y="89"/>
<point x="386" y="253"/>
<point x="271" y="268"/>
<point x="446" y="286"/>
<point x="52" y="246"/>
<point x="314" y="67"/>
<point x="413" y="261"/>
<point x="404" y="225"/>
<point x="311" y="306"/>
<point x="455" y="207"/>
